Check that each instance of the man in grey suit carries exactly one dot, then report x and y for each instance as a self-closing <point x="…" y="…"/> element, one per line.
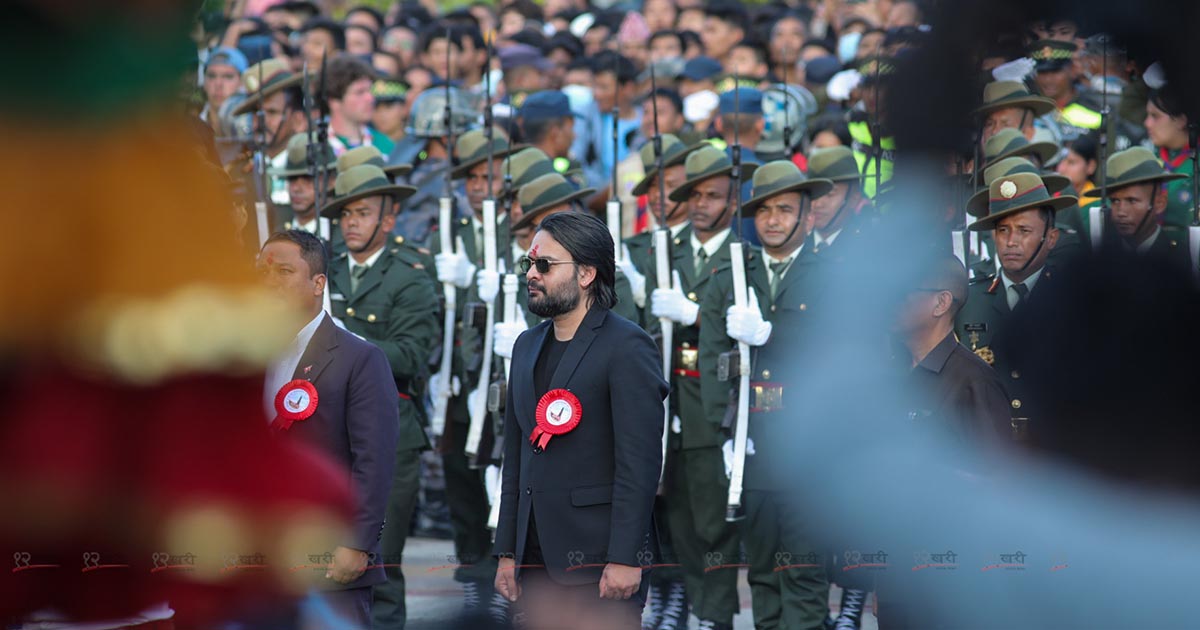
<point x="334" y="391"/>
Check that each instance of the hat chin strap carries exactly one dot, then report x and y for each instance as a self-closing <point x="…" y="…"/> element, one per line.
<point x="1149" y="211"/>
<point x="1042" y="243"/>
<point x="840" y="210"/>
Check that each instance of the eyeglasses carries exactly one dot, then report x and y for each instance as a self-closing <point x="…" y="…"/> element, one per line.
<point x="541" y="264"/>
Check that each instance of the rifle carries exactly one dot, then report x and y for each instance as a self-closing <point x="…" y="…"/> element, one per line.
<point x="787" y="117"/>
<point x="1194" y="228"/>
<point x="662" y="266"/>
<point x="480" y="407"/>
<point x="1098" y="214"/>
<point x="441" y="402"/>
<point x="613" y="207"/>
<point x="737" y="257"/>
<point x="315" y="170"/>
<point x="260" y="170"/>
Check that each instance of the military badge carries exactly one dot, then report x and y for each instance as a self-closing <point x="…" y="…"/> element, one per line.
<point x="1008" y="189"/>
<point x="558" y="412"/>
<point x="986" y="354"/>
<point x="295" y="401"/>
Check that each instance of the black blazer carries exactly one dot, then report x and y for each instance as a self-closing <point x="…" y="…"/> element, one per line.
<point x="592" y="489"/>
<point x="357" y="424"/>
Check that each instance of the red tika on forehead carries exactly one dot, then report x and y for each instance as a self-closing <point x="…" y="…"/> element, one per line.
<point x="533" y="252"/>
<point x="270" y="258"/>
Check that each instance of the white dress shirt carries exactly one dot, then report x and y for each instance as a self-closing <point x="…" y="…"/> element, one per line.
<point x="280" y="372"/>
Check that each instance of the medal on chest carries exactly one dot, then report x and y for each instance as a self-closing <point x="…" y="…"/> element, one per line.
<point x="558" y="413"/>
<point x="295" y="401"/>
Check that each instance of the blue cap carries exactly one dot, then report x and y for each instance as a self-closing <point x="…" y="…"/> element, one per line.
<point x="747" y="101"/>
<point x="700" y="68"/>
<point x="820" y="70"/>
<point x="518" y="55"/>
<point x="227" y="56"/>
<point x="545" y="105"/>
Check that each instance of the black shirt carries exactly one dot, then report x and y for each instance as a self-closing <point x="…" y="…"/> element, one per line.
<point x="543" y="372"/>
<point x="956" y="387"/>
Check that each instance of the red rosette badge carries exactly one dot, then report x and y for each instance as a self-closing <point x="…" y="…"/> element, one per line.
<point x="295" y="401"/>
<point x="558" y="413"/>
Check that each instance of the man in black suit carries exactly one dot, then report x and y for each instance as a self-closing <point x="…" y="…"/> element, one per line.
<point x="335" y="391"/>
<point x="583" y="440"/>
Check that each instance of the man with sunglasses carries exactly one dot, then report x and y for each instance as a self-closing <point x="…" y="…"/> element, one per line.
<point x="582" y="448"/>
<point x="782" y="279"/>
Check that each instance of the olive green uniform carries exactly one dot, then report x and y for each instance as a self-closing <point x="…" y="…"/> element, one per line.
<point x="466" y="493"/>
<point x="391" y="308"/>
<point x="787" y="573"/>
<point x="694" y="477"/>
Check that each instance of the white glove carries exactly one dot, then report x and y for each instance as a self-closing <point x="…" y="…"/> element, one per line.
<point x="673" y="304"/>
<point x="637" y="281"/>
<point x="455" y="269"/>
<point x="746" y="324"/>
<point x="488" y="284"/>
<point x="505" y="335"/>
<point x="727" y="454"/>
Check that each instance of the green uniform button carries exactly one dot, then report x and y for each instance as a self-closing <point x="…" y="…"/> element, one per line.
<point x="691" y="296"/>
<point x="766" y="374"/>
<point x="350" y="312"/>
<point x="1016" y="403"/>
<point x="371" y="317"/>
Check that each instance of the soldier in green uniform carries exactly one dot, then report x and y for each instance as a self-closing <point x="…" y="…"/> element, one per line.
<point x="300" y="213"/>
<point x="1136" y="184"/>
<point x="1021" y="215"/>
<point x="466" y="493"/>
<point x="693" y="478"/>
<point x="840" y="214"/>
<point x="787" y="576"/>
<point x="371" y="155"/>
<point x="1008" y="143"/>
<point x="667" y="598"/>
<point x="380" y="294"/>
<point x="1069" y="240"/>
<point x="1010" y="105"/>
<point x="638" y="245"/>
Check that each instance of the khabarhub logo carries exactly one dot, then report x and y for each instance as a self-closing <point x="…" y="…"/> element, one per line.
<point x="1009" y="562"/>
<point x="945" y="561"/>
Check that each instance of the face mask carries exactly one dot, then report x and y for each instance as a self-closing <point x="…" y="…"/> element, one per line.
<point x="848" y="46"/>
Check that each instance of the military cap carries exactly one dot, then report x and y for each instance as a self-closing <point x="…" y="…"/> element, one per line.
<point x="876" y="68"/>
<point x="360" y="182"/>
<point x="297" y="158"/>
<point x="836" y="164"/>
<point x="367" y="154"/>
<point x="977" y="205"/>
<point x="1136" y="165"/>
<point x="705" y="163"/>
<point x="427" y="118"/>
<point x="782" y="176"/>
<point x="674" y="153"/>
<point x="264" y="79"/>
<point x="700" y="69"/>
<point x="1050" y="55"/>
<point x="741" y="100"/>
<point x="472" y="149"/>
<point x="388" y="91"/>
<point x="1015" y="193"/>
<point x="524" y="166"/>
<point x="545" y="105"/>
<point x="545" y="193"/>
<point x="1005" y="94"/>
<point x="1012" y="143"/>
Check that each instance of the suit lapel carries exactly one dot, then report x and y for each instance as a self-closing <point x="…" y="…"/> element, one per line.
<point x="535" y="350"/>
<point x="373" y="278"/>
<point x="1000" y="296"/>
<point x="683" y="259"/>
<point x="716" y="261"/>
<point x="577" y="347"/>
<point x="800" y="269"/>
<point x="756" y="272"/>
<point x="319" y="353"/>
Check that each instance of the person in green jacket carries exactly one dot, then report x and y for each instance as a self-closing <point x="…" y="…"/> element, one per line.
<point x="381" y="294"/>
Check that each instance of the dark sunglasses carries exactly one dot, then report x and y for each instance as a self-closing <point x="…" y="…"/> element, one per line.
<point x="541" y="264"/>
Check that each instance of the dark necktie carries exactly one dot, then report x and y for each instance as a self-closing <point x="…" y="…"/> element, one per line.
<point x="356" y="276"/>
<point x="1022" y="293"/>
<point x="777" y="269"/>
<point x="701" y="261"/>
